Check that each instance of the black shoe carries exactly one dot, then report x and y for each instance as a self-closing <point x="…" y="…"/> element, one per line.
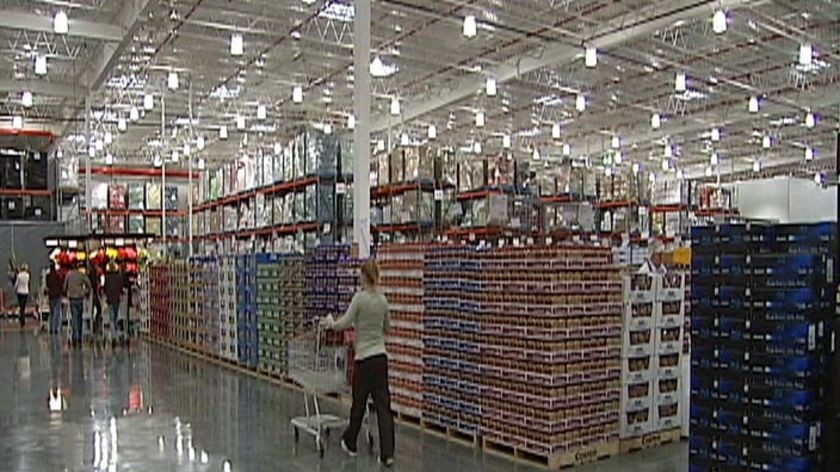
<point x="389" y="462"/>
<point x="346" y="448"/>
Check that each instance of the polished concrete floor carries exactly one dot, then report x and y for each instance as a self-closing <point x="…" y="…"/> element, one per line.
<point x="151" y="409"/>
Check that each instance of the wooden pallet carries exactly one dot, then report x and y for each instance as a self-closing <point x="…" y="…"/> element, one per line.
<point x="584" y="455"/>
<point x="650" y="440"/>
<point x="410" y="420"/>
<point x="448" y="432"/>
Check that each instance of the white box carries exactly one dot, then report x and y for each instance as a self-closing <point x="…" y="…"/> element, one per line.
<point x="669" y="313"/>
<point x="667" y="391"/>
<point x="636" y="395"/>
<point x="670" y="286"/>
<point x="638" y="342"/>
<point x="667" y="416"/>
<point x="636" y="423"/>
<point x="637" y="369"/>
<point x="640" y="287"/>
<point x="639" y="315"/>
<point x="669" y="340"/>
<point x="668" y="366"/>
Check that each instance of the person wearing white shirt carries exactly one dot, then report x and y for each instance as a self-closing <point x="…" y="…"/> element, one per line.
<point x="22" y="291"/>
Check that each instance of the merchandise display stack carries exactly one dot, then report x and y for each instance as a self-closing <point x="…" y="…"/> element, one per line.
<point x="228" y="314"/>
<point x="347" y="273"/>
<point x="207" y="304"/>
<point x="452" y="358"/>
<point x="180" y="280"/>
<point x="161" y="304"/>
<point x="247" y="335"/>
<point x="144" y="303"/>
<point x="550" y="342"/>
<point x="401" y="271"/>
<point x="322" y="280"/>
<point x="669" y="318"/>
<point x="763" y="301"/>
<point x="280" y="308"/>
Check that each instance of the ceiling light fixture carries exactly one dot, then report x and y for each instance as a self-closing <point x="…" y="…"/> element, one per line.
<point x="134" y="113"/>
<point x="395" y="106"/>
<point x="109" y="159"/>
<point x="297" y="94"/>
<point x="121" y="124"/>
<point x="753" y="105"/>
<point x="61" y="25"/>
<point x="404" y="140"/>
<point x="655" y="121"/>
<point x="148" y="101"/>
<point x="555" y="131"/>
<point x="618" y="158"/>
<point x="806" y="54"/>
<point x="262" y="112"/>
<point x="580" y="103"/>
<point x="351" y="122"/>
<point x="506" y="141"/>
<point x="669" y="151"/>
<point x="172" y="81"/>
<point x="432" y="132"/>
<point x="591" y="56"/>
<point x="616" y="142"/>
<point x="810" y="121"/>
<point x="108" y="137"/>
<point x="715" y="134"/>
<point x="237" y="47"/>
<point x="809" y="153"/>
<point x="636" y="168"/>
<point x="567" y="149"/>
<point x="17" y="122"/>
<point x="40" y="65"/>
<point x="680" y="82"/>
<point x="477" y="147"/>
<point x="766" y="142"/>
<point x="479" y="119"/>
<point x="26" y="99"/>
<point x="175" y="156"/>
<point x="380" y="145"/>
<point x="240" y="122"/>
<point x="327" y="128"/>
<point x="714" y="159"/>
<point x="200" y="143"/>
<point x="536" y="154"/>
<point x="490" y="87"/>
<point x="223" y="132"/>
<point x="757" y="166"/>
<point x="158" y="161"/>
<point x="470" y="27"/>
<point x="187" y="150"/>
<point x="719" y="22"/>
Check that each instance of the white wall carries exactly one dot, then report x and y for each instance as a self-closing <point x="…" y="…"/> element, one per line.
<point x="786" y="200"/>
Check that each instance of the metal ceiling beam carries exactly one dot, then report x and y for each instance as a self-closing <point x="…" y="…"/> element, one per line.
<point x="78" y="28"/>
<point x="38" y="87"/>
<point x="615" y="33"/>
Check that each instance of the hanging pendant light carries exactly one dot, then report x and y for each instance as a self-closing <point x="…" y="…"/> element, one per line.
<point x="719" y="22"/>
<point x="490" y="87"/>
<point x="237" y="46"/>
<point x="591" y="56"/>
<point x="148" y="101"/>
<point x="223" y="132"/>
<point x="680" y="82"/>
<point x="753" y="105"/>
<point x="351" y="122"/>
<point x="655" y="121"/>
<point x="40" y="65"/>
<point x="715" y="134"/>
<point x="395" y="106"/>
<point x="432" y="132"/>
<point x="555" y="131"/>
<point x="26" y="99"/>
<point x="479" y="119"/>
<point x="567" y="149"/>
<point x="506" y="141"/>
<point x="810" y="120"/>
<point x="470" y="26"/>
<point x="297" y="94"/>
<point x="172" y="81"/>
<point x="61" y="25"/>
<point x="262" y="112"/>
<point x="580" y="103"/>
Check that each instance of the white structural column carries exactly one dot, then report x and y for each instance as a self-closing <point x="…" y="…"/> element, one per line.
<point x="361" y="132"/>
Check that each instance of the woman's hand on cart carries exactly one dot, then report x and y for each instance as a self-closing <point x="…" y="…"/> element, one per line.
<point x="327" y="322"/>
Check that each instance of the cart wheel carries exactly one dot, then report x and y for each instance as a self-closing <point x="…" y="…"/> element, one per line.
<point x="297" y="434"/>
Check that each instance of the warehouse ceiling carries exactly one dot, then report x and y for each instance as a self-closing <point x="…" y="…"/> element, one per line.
<point x="668" y="89"/>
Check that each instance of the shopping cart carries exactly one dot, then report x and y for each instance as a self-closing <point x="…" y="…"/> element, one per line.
<point x="320" y="369"/>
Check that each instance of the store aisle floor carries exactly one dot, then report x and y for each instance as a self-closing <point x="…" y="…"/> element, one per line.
<point x="152" y="409"/>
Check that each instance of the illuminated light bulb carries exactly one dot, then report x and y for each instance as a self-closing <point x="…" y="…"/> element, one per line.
<point x="172" y="81"/>
<point x="477" y="147"/>
<point x="351" y="122"/>
<point x="223" y="132"/>
<point x="204" y="457"/>
<point x="148" y="101"/>
<point x="26" y="99"/>
<point x="567" y="149"/>
<point x="809" y="153"/>
<point x="679" y="82"/>
<point x="591" y="56"/>
<point x="655" y="121"/>
<point x="618" y="158"/>
<point x="506" y="141"/>
<point x="470" y="26"/>
<point x="395" y="106"/>
<point x="714" y="159"/>
<point x="555" y="131"/>
<point x="121" y="124"/>
<point x="262" y="112"/>
<point x="753" y="105"/>
<point x="715" y="134"/>
<point x="580" y="103"/>
<point x="404" y="140"/>
<point x="719" y="22"/>
<point x="240" y="122"/>
<point x="237" y="46"/>
<point x="61" y="25"/>
<point x="40" y="65"/>
<point x="536" y="154"/>
<point x="806" y="54"/>
<point x="297" y="94"/>
<point x="665" y="164"/>
<point x="199" y="143"/>
<point x="490" y="87"/>
<point x="810" y="120"/>
<point x="108" y="137"/>
<point x="616" y="142"/>
<point x="109" y="159"/>
<point x="134" y="114"/>
<point x="669" y="151"/>
<point x="432" y="132"/>
<point x="479" y="119"/>
<point x="636" y="168"/>
<point x="766" y="142"/>
<point x="757" y="166"/>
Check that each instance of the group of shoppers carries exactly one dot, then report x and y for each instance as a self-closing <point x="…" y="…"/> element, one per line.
<point x="75" y="286"/>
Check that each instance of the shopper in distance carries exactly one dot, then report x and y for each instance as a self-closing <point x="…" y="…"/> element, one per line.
<point x="55" y="292"/>
<point x="369" y="315"/>
<point x="77" y="287"/>
<point x="22" y="291"/>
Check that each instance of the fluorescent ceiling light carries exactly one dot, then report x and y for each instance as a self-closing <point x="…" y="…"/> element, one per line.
<point x="809" y="153"/>
<point x="40" y="65"/>
<point x="506" y="141"/>
<point x="615" y="142"/>
<point x="680" y="82"/>
<point x="567" y="149"/>
<point x="806" y="54"/>
<point x="134" y="113"/>
<point x="223" y="132"/>
<point x="432" y="132"/>
<point x="490" y="87"/>
<point x="555" y="131"/>
<point x="766" y="142"/>
<point x="148" y="101"/>
<point x="379" y="69"/>
<point x="351" y="122"/>
<point x="469" y="26"/>
<point x="715" y="134"/>
<point x="591" y="56"/>
<point x="719" y="22"/>
<point x="757" y="166"/>
<point x="753" y="105"/>
<point x="714" y="159"/>
<point x="395" y="106"/>
<point x="26" y="99"/>
<point x="172" y="81"/>
<point x="199" y="143"/>
<point x="477" y="147"/>
<point x="669" y="151"/>
<point x="262" y="113"/>
<point x="297" y="94"/>
<point x="618" y="158"/>
<point x="61" y="25"/>
<point x="536" y="154"/>
<point x="655" y="121"/>
<point x="237" y="46"/>
<point x="121" y="124"/>
<point x="240" y="122"/>
<point x="810" y="121"/>
<point x="336" y="10"/>
<point x="580" y="103"/>
<point x="109" y="159"/>
<point x="108" y="137"/>
<point x="17" y="122"/>
<point x="479" y="119"/>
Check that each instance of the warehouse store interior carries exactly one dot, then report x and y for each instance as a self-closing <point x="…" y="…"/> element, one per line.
<point x="604" y="231"/>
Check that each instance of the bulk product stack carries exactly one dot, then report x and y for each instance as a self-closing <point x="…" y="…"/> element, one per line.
<point x="145" y="302"/>
<point x="347" y="275"/>
<point x="763" y="300"/>
<point x="180" y="281"/>
<point x="228" y="314"/>
<point x="321" y="274"/>
<point x="550" y="339"/>
<point x="246" y="306"/>
<point x="207" y="304"/>
<point x="401" y="271"/>
<point x="280" y="308"/>
<point x="160" y="306"/>
<point x="654" y="319"/>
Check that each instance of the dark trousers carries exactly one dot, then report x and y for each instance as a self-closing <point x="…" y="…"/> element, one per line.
<point x="96" y="315"/>
<point x="77" y="307"/>
<point x="370" y="378"/>
<point x="22" y="300"/>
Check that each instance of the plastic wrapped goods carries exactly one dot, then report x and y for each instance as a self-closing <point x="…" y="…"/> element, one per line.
<point x="310" y="203"/>
<point x="136" y="224"/>
<point x="262" y="212"/>
<point x="116" y="197"/>
<point x="68" y="171"/>
<point x="383" y="170"/>
<point x="154" y="198"/>
<point x="215" y="225"/>
<point x="171" y="198"/>
<point x="116" y="224"/>
<point x="321" y="155"/>
<point x="173" y="226"/>
<point x="471" y="175"/>
<point x="136" y="196"/>
<point x="153" y="225"/>
<point x="301" y="214"/>
<point x="230" y="219"/>
<point x="99" y="196"/>
<point x="499" y="171"/>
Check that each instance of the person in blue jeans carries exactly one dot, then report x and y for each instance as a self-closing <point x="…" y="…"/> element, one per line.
<point x="55" y="293"/>
<point x="77" y="287"/>
<point x="113" y="288"/>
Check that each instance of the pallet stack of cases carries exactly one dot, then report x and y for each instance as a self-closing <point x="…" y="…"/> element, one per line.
<point x="280" y="308"/>
<point x="763" y="302"/>
<point x="180" y="281"/>
<point x="347" y="273"/>
<point x="228" y="314"/>
<point x="207" y="307"/>
<point x="654" y="320"/>
<point x="451" y="357"/>
<point x="550" y="339"/>
<point x="247" y="329"/>
<point x="401" y="272"/>
<point x="160" y="301"/>
<point x="322" y="279"/>
<point x="144" y="302"/>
